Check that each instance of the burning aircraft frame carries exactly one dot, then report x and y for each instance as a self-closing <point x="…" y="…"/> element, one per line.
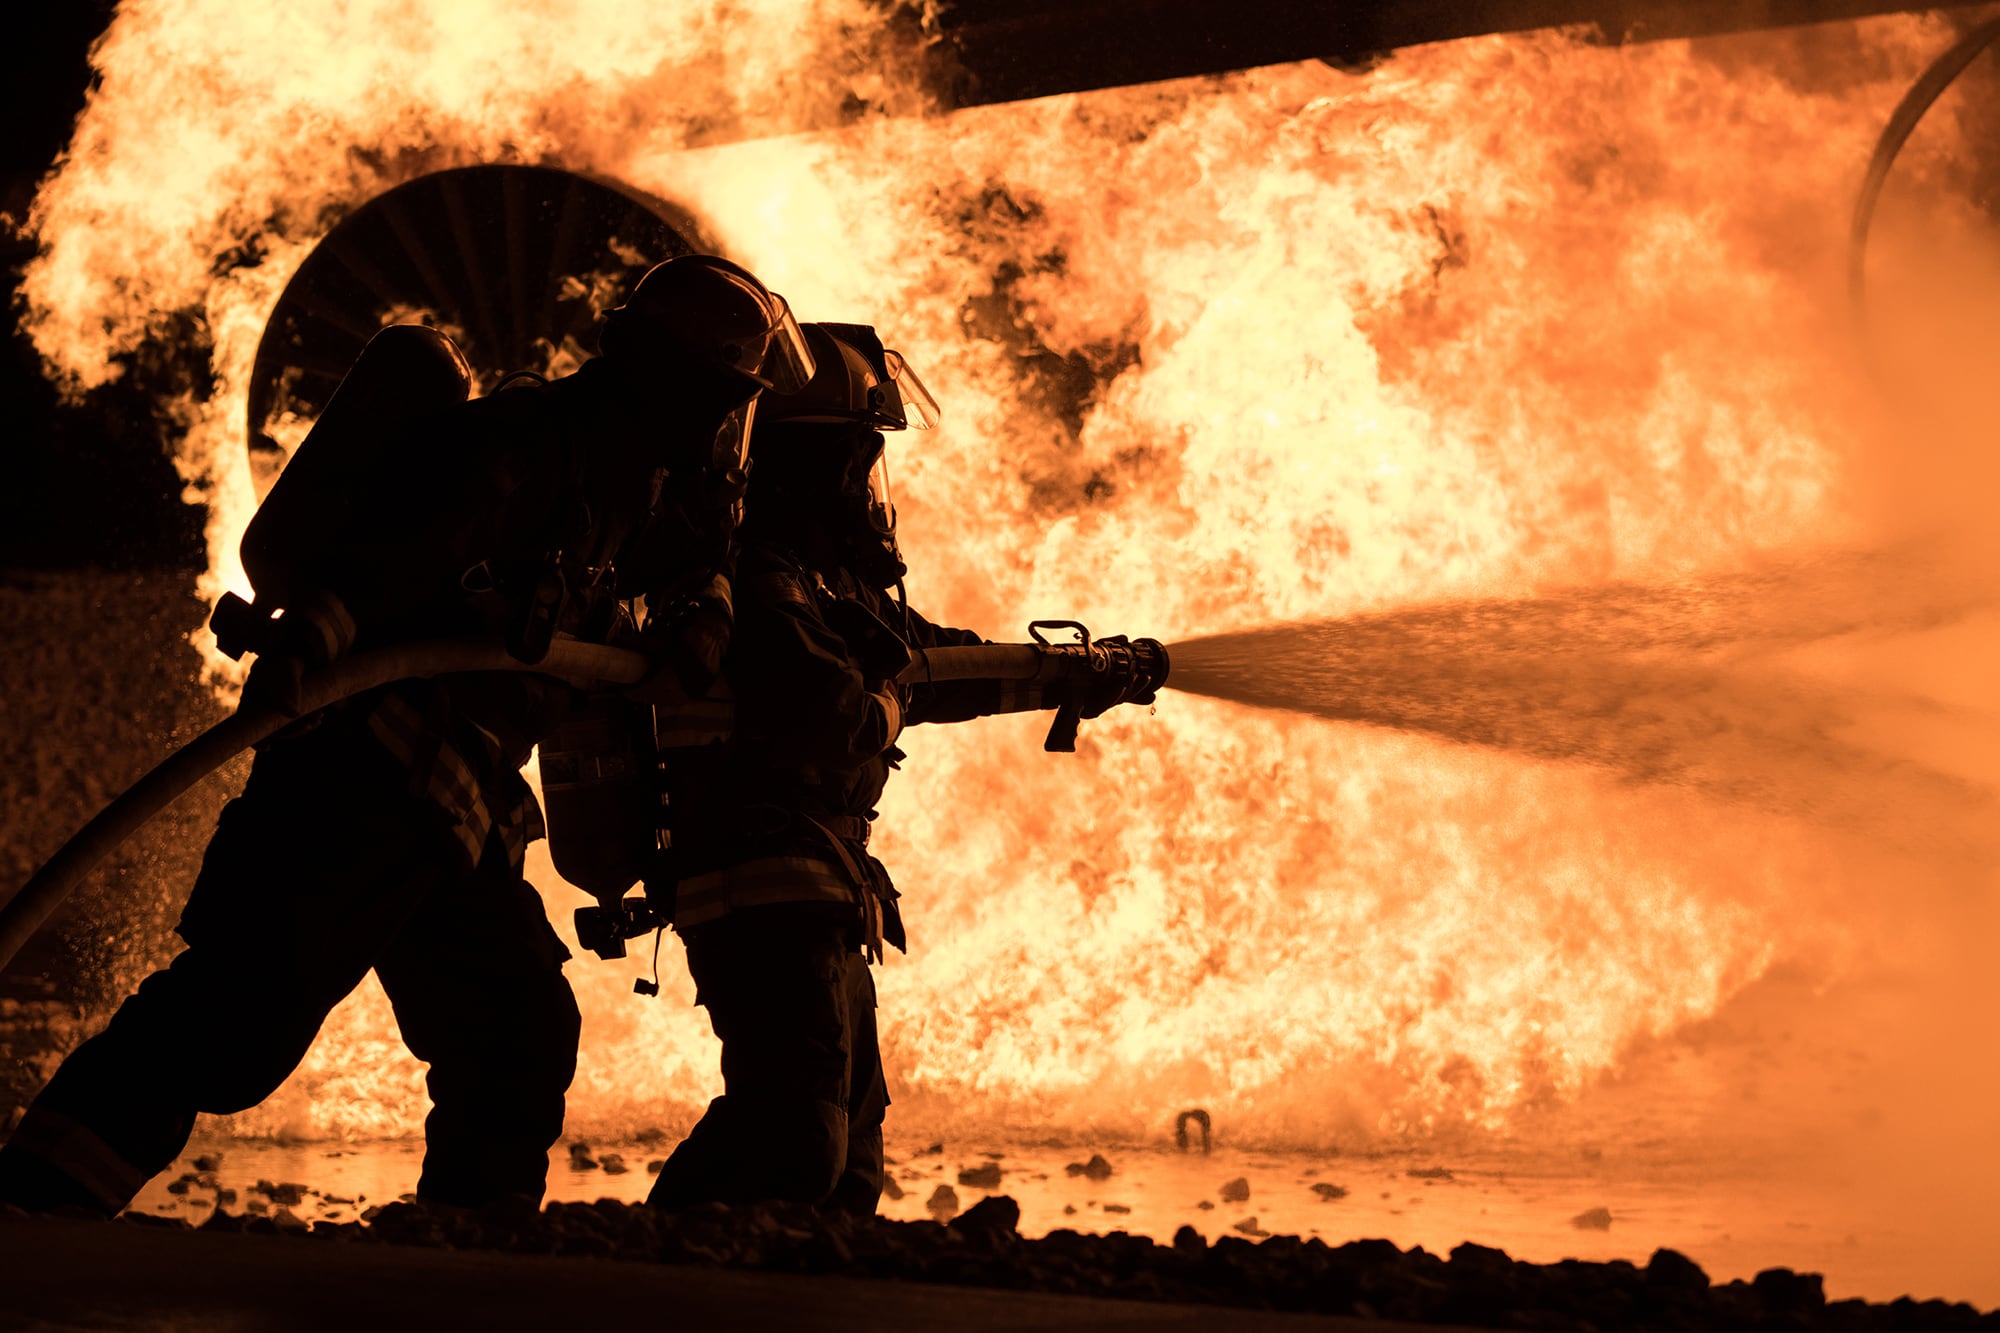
<point x="1009" y="50"/>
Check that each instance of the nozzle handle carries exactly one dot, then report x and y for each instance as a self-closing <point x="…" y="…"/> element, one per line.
<point x="1062" y="732"/>
<point x="1035" y="628"/>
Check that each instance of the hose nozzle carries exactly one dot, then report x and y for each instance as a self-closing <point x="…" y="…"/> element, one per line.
<point x="1097" y="675"/>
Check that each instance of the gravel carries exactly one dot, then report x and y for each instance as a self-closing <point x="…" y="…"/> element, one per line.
<point x="983" y="1247"/>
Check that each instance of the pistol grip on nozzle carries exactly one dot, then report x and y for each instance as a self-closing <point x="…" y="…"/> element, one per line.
<point x="1062" y="732"/>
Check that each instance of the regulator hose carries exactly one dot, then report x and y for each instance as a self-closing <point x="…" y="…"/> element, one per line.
<point x="1930" y="86"/>
<point x="586" y="664"/>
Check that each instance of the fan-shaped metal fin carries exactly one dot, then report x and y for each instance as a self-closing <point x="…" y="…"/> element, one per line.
<point x="514" y="262"/>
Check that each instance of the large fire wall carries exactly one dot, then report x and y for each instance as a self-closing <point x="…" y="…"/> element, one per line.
<point x="1494" y="318"/>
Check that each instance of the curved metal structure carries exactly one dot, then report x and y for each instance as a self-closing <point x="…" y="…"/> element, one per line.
<point x="1909" y="113"/>
<point x="510" y="260"/>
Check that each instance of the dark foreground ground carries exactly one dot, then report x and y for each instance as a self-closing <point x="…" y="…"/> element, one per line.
<point x="788" y="1268"/>
<point x="68" y="1275"/>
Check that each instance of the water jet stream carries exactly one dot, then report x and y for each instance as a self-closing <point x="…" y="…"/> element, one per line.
<point x="1686" y="684"/>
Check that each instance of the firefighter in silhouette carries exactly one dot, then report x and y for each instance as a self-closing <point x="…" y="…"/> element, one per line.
<point x="772" y="784"/>
<point x="388" y="833"/>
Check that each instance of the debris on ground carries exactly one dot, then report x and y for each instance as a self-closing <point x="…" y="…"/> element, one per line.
<point x="284" y="1195"/>
<point x="580" y="1158"/>
<point x="995" y="1215"/>
<point x="1329" y="1192"/>
<point x="1248" y="1226"/>
<point x="613" y="1164"/>
<point x="1597" y="1219"/>
<point x="1429" y="1173"/>
<point x="1237" y="1190"/>
<point x="1094" y="1169"/>
<point x="943" y="1202"/>
<point x="985" y="1176"/>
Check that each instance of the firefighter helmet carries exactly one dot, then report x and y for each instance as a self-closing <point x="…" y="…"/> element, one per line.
<point x="704" y="308"/>
<point x="855" y="379"/>
<point x="818" y="444"/>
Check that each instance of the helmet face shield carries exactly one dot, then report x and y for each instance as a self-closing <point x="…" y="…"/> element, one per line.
<point x="881" y="507"/>
<point x="728" y="472"/>
<point x="730" y="451"/>
<point x="920" y="410"/>
<point x="779" y="355"/>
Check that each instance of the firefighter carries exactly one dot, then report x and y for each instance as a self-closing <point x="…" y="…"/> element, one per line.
<point x="389" y="832"/>
<point x="773" y="782"/>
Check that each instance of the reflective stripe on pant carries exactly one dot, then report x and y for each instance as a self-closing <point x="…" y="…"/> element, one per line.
<point x="804" y="1096"/>
<point x="324" y="868"/>
<point x="769" y="881"/>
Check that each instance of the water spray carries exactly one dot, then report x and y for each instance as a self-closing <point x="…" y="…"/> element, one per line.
<point x="1695" y="685"/>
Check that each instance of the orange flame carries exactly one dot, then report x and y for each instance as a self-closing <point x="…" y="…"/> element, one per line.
<point x="1292" y="343"/>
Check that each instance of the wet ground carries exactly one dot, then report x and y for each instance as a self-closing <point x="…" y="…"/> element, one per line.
<point x="1618" y="1204"/>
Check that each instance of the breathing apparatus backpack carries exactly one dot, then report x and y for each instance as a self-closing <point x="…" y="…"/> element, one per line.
<point x="376" y="504"/>
<point x="406" y="373"/>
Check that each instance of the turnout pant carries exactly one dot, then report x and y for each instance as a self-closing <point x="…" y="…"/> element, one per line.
<point x="800" y="1117"/>
<point x="326" y="866"/>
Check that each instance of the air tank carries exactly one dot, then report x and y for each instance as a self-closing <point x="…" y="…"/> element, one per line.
<point x="601" y="792"/>
<point x="405" y="373"/>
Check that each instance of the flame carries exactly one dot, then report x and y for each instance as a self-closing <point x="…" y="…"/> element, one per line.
<point x="1504" y="314"/>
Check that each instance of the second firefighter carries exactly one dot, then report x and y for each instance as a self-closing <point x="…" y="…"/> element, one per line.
<point x="772" y="784"/>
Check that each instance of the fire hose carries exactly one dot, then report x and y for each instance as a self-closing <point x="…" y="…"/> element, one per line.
<point x="1131" y="670"/>
<point x="23" y="914"/>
